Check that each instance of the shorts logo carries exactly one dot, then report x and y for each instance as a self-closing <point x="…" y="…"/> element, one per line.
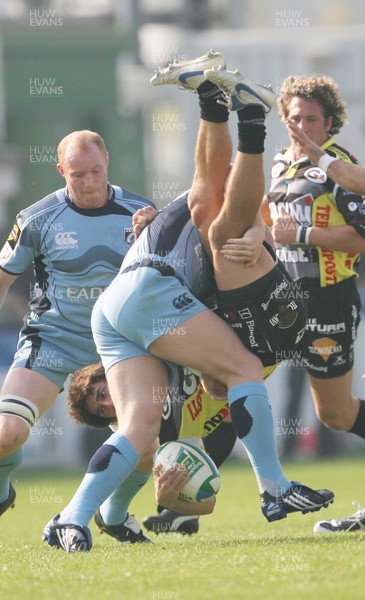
<point x="245" y="313"/>
<point x="339" y="360"/>
<point x="182" y="301"/>
<point x="325" y="347"/>
<point x="66" y="239"/>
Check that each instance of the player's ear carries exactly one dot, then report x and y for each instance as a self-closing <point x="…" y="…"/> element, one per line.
<point x="107" y="159"/>
<point x="60" y="169"/>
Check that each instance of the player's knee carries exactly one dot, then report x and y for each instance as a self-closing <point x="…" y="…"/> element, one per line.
<point x="217" y="234"/>
<point x="332" y="420"/>
<point x="17" y="417"/>
<point x="13" y="434"/>
<point x="201" y="215"/>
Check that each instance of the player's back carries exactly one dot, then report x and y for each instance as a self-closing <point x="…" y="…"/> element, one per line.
<point x="171" y="238"/>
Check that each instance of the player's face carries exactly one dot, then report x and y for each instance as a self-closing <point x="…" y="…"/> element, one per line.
<point x="86" y="174"/>
<point x="99" y="401"/>
<point x="308" y="116"/>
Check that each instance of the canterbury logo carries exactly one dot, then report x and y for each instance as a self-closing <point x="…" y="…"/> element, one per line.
<point x="182" y="301"/>
<point x="66" y="239"/>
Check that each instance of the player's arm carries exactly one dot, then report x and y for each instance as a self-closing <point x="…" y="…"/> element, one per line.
<point x="346" y="174"/>
<point x="6" y="280"/>
<point x="168" y="487"/>
<point x="343" y="238"/>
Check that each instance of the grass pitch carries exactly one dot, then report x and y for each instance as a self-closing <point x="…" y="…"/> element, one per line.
<point x="235" y="555"/>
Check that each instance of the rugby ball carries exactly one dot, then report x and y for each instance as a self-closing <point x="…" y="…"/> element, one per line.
<point x="204" y="476"/>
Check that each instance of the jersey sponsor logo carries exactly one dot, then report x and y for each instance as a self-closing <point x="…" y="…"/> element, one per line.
<point x="85" y="293"/>
<point x="316" y="175"/>
<point x="300" y="209"/>
<point x="325" y="347"/>
<point x="66" y="239"/>
<point x="216" y="419"/>
<point x="329" y="266"/>
<point x="183" y="302"/>
<point x="167" y="408"/>
<point x="195" y="405"/>
<point x="128" y="236"/>
<point x="5" y="254"/>
<point x="277" y="170"/>
<point x="13" y="236"/>
<point x="322" y="216"/>
<point x="291" y="255"/>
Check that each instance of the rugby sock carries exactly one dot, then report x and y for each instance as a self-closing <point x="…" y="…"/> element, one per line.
<point x="219" y="444"/>
<point x="115" y="508"/>
<point x="110" y="466"/>
<point x="7" y="466"/>
<point x="252" y="419"/>
<point x="359" y="425"/>
<point x="210" y="110"/>
<point x="251" y="129"/>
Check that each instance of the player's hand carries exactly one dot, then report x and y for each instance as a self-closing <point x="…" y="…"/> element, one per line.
<point x="247" y="249"/>
<point x="141" y="218"/>
<point x="284" y="229"/>
<point x="169" y="485"/>
<point x="308" y="147"/>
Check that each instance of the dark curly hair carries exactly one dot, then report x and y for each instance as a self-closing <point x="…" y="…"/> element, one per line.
<point x="79" y="392"/>
<point x="322" y="89"/>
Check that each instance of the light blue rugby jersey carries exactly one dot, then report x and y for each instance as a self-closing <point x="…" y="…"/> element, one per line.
<point x="75" y="252"/>
<point x="172" y="239"/>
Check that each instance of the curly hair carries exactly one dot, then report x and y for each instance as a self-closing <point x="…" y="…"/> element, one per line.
<point x="322" y="89"/>
<point x="79" y="392"/>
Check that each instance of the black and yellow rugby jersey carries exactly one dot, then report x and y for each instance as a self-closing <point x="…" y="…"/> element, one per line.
<point x="189" y="411"/>
<point x="304" y="191"/>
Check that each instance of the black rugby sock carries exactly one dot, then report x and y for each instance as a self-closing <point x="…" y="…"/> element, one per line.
<point x="251" y="129"/>
<point x="359" y="425"/>
<point x="210" y="110"/>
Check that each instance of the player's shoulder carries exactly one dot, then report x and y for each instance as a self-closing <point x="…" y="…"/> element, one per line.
<point x="128" y="200"/>
<point x="47" y="204"/>
<point x="338" y="151"/>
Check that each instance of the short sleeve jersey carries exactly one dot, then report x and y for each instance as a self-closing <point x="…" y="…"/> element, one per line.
<point x="75" y="254"/>
<point x="304" y="191"/>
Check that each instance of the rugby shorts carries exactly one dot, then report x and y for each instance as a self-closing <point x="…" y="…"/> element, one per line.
<point x="268" y="315"/>
<point x="327" y="347"/>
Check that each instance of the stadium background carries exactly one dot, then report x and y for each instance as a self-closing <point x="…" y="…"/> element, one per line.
<point x="74" y="64"/>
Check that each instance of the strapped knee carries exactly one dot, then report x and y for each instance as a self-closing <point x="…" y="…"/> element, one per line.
<point x="16" y="406"/>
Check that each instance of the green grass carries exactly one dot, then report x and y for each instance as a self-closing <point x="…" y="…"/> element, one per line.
<point x="235" y="555"/>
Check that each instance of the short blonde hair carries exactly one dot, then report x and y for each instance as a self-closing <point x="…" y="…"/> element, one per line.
<point x="81" y="140"/>
<point x="322" y="89"/>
